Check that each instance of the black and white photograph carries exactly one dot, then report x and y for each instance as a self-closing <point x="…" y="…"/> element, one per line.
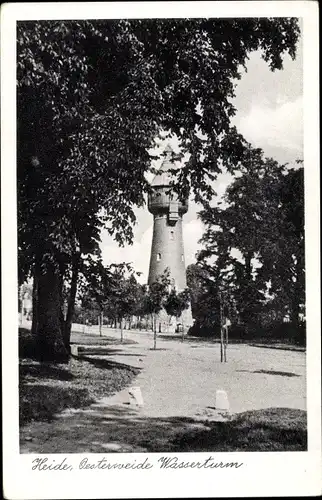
<point x="162" y="281"/>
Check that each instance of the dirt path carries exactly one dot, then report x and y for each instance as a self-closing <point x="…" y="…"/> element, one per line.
<point x="182" y="378"/>
<point x="178" y="383"/>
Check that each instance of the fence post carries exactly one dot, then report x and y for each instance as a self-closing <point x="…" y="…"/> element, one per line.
<point x="155" y="332"/>
<point x="221" y="328"/>
<point x="100" y="322"/>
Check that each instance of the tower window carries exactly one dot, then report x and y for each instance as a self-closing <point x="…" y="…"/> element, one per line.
<point x="172" y="235"/>
<point x="182" y="257"/>
<point x="158" y="256"/>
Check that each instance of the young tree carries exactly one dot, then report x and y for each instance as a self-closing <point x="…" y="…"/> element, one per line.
<point x="155" y="299"/>
<point x="97" y="282"/>
<point x="139" y="309"/>
<point x="114" y="290"/>
<point x="176" y="303"/>
<point x="123" y="297"/>
<point x="92" y="97"/>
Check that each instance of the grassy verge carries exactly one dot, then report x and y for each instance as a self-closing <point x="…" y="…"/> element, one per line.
<point x="27" y="342"/>
<point x="272" y="429"/>
<point x="81" y="338"/>
<point x="275" y="429"/>
<point x="46" y="389"/>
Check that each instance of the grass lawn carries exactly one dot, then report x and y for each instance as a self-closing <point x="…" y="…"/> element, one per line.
<point x="275" y="429"/>
<point x="48" y="388"/>
<point x="272" y="429"/>
<point x="81" y="338"/>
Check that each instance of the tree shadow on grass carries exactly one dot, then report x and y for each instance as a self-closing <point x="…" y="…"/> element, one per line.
<point x="43" y="401"/>
<point x="46" y="389"/>
<point x="98" y="348"/>
<point x="27" y="345"/>
<point x="106" y="352"/>
<point x="99" y="431"/>
<point x="280" y="429"/>
<point x="108" y="364"/>
<point x="44" y="371"/>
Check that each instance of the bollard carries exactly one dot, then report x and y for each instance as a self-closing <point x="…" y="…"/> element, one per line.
<point x="136" y="396"/>
<point x="74" y="350"/>
<point x="222" y="402"/>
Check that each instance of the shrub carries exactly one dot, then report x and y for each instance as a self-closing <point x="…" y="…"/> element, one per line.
<point x="276" y="331"/>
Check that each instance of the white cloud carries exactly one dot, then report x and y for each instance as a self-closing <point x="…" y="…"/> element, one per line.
<point x="138" y="253"/>
<point x="278" y="127"/>
<point x="236" y="254"/>
<point x="192" y="232"/>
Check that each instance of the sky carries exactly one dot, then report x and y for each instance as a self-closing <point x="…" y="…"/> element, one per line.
<point x="269" y="115"/>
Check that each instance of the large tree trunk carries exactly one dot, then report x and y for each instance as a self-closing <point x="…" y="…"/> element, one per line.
<point x="71" y="300"/>
<point x="49" y="333"/>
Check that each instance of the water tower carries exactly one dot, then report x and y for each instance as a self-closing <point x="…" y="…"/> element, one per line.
<point x="167" y="250"/>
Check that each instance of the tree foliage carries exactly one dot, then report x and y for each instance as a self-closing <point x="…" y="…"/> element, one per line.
<point x="92" y="97"/>
<point x="263" y="219"/>
<point x="157" y="293"/>
<point x="113" y="289"/>
<point x="204" y="293"/>
<point x="177" y="302"/>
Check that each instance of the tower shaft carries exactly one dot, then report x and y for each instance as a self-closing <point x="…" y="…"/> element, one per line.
<point x="167" y="251"/>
